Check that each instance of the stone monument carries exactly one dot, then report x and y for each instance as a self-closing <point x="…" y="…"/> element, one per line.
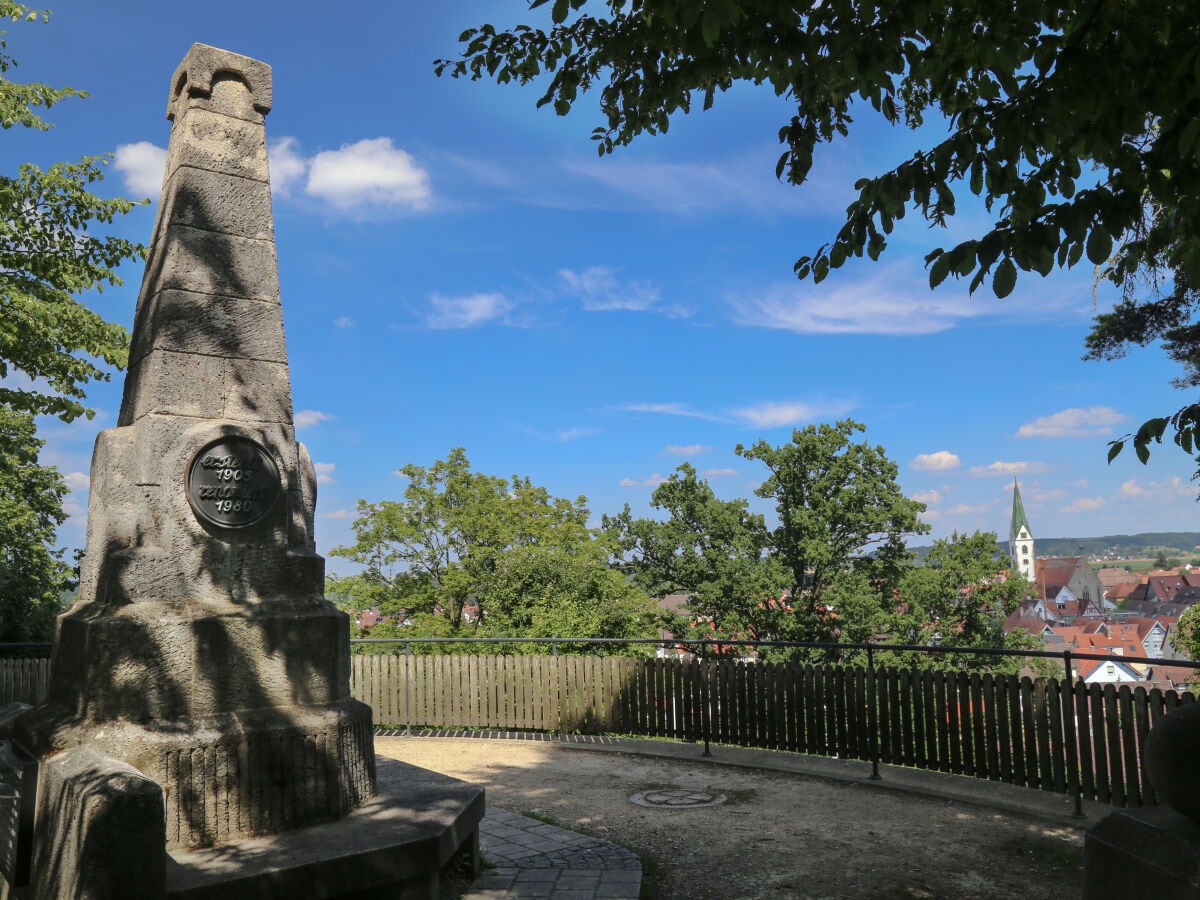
<point x="202" y="658"/>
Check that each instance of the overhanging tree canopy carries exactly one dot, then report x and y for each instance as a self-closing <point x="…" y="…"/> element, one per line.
<point x="49" y="254"/>
<point x="1077" y="123"/>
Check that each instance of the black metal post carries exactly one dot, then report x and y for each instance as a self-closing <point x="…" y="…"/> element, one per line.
<point x="1071" y="730"/>
<point x="872" y="712"/>
<point x="704" y="711"/>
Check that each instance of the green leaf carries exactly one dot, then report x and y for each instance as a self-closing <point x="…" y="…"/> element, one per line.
<point x="1114" y="449"/>
<point x="939" y="270"/>
<point x="1099" y="245"/>
<point x="1005" y="278"/>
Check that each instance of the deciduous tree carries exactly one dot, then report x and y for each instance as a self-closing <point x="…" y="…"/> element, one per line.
<point x="840" y="510"/>
<point x="1074" y="123"/>
<point x="33" y="576"/>
<point x="717" y="551"/>
<point x="461" y="540"/>
<point x="50" y="252"/>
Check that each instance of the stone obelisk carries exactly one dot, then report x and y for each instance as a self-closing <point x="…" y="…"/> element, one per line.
<point x="202" y="650"/>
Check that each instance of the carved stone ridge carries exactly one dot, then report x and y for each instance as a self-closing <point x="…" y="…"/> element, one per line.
<point x="194" y="76"/>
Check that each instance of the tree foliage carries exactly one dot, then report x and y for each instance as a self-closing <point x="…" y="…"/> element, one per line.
<point x="463" y="548"/>
<point x="840" y="510"/>
<point x="49" y="254"/>
<point x="1074" y="124"/>
<point x="33" y="577"/>
<point x="714" y="550"/>
<point x="960" y="597"/>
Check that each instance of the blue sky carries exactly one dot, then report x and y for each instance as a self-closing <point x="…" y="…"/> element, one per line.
<point x="460" y="269"/>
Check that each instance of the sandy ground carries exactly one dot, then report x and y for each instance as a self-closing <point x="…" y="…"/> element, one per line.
<point x="778" y="835"/>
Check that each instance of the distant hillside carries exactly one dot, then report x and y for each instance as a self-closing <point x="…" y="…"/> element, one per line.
<point x="1184" y="545"/>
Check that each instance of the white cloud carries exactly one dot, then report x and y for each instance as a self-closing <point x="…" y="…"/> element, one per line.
<point x="670" y="409"/>
<point x="778" y="414"/>
<point x="343" y="322"/>
<point x="325" y="472"/>
<point x="570" y="434"/>
<point x="966" y="509"/>
<point x="369" y="173"/>
<point x="719" y="473"/>
<point x="142" y="164"/>
<point x="1132" y="489"/>
<point x="686" y="449"/>
<point x="1008" y="469"/>
<point x="340" y="514"/>
<point x="891" y="302"/>
<point x="599" y="291"/>
<point x="306" y="418"/>
<point x="938" y="461"/>
<point x="930" y="498"/>
<point x="1171" y="488"/>
<point x="285" y="164"/>
<point x="78" y="481"/>
<point x="1084" y="504"/>
<point x="1096" y="421"/>
<point x="653" y="481"/>
<point x="466" y="312"/>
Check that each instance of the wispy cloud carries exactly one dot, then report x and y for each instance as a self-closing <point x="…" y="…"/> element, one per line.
<point x="306" y="418"/>
<point x="466" y="312"/>
<point x="938" y="461"/>
<point x="686" y="449"/>
<point x="778" y="414"/>
<point x="286" y="165"/>
<point x="671" y="409"/>
<point x="78" y="481"/>
<point x="1167" y="489"/>
<point x="141" y="164"/>
<point x="1008" y="469"/>
<point x="343" y="322"/>
<point x="369" y="173"/>
<point x="653" y="481"/>
<point x="571" y="434"/>
<point x="1095" y="421"/>
<point x="741" y="183"/>
<point x="325" y="472"/>
<point x="1084" y="504"/>
<point x="891" y="302"/>
<point x="719" y="473"/>
<point x="339" y="514"/>
<point x="599" y="290"/>
<point x="930" y="498"/>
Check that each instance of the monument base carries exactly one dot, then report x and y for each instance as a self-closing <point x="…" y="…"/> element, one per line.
<point x="394" y="845"/>
<point x="1150" y="852"/>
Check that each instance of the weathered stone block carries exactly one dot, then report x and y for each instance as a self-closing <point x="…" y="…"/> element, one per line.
<point x="100" y="831"/>
<point x="174" y="384"/>
<point x="257" y="391"/>
<point x="218" y="142"/>
<point x="207" y="262"/>
<point x="214" y="202"/>
<point x="212" y="325"/>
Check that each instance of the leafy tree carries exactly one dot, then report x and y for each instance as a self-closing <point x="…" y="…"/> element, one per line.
<point x="1073" y="123"/>
<point x="1186" y="638"/>
<point x="840" y="511"/>
<point x="461" y="541"/>
<point x="33" y="577"/>
<point x="49" y="253"/>
<point x="960" y="598"/>
<point x="562" y="592"/>
<point x="715" y="550"/>
<point x="1161" y="561"/>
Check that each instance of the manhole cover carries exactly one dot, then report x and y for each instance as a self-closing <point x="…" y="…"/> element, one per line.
<point x="676" y="799"/>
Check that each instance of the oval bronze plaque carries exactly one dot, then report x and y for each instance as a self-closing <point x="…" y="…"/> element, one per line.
<point x="232" y="483"/>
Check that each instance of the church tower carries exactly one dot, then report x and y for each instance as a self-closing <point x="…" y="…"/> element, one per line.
<point x="1020" y="538"/>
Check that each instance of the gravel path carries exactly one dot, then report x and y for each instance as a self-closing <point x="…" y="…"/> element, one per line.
<point x="777" y="835"/>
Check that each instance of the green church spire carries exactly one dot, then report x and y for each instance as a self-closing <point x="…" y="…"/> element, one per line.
<point x="1018" y="515"/>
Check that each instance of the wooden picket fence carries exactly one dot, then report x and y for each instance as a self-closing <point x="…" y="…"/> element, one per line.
<point x="1082" y="740"/>
<point x="24" y="680"/>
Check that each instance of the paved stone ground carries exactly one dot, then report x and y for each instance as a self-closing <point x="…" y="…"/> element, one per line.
<point x="528" y="858"/>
